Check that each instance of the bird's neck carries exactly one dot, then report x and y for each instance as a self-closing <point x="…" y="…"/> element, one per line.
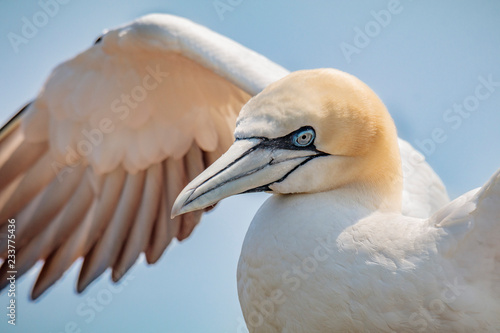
<point x="338" y="208"/>
<point x="376" y="196"/>
<point x="381" y="182"/>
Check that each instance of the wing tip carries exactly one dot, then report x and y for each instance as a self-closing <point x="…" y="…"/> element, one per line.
<point x="11" y="124"/>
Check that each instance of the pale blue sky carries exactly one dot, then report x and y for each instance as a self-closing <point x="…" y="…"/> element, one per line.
<point x="428" y="57"/>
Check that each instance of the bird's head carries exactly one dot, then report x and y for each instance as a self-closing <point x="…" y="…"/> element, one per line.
<point x="312" y="131"/>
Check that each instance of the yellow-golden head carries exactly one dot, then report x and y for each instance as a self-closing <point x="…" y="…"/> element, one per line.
<point x="312" y="131"/>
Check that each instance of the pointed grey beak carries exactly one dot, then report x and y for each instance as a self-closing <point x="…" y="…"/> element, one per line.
<point x="248" y="166"/>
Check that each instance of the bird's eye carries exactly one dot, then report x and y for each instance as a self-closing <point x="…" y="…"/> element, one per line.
<point x="304" y="137"/>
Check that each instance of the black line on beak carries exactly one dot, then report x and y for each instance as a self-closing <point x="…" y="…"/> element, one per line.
<point x="189" y="200"/>
<point x="266" y="188"/>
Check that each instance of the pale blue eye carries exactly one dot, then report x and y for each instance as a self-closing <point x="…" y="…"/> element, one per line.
<point x="304" y="138"/>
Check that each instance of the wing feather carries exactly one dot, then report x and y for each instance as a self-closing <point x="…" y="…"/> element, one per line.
<point x="142" y="228"/>
<point x="165" y="228"/>
<point x="59" y="230"/>
<point x="105" y="252"/>
<point x="194" y="165"/>
<point x="21" y="160"/>
<point x="35" y="179"/>
<point x="52" y="236"/>
<point x="36" y="216"/>
<point x="472" y="225"/>
<point x="16" y="154"/>
<point x="92" y="166"/>
<point x="160" y="236"/>
<point x="79" y="243"/>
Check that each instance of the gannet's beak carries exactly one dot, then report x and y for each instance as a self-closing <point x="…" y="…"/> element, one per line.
<point x="250" y="165"/>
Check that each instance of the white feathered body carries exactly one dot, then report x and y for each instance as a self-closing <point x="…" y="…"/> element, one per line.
<point x="354" y="269"/>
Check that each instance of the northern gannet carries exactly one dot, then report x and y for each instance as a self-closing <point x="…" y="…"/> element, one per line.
<point x="330" y="250"/>
<point x="91" y="167"/>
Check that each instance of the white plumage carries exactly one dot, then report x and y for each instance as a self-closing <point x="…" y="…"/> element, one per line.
<point x="318" y="263"/>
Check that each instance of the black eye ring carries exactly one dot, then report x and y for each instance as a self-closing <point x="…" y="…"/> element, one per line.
<point x="304" y="137"/>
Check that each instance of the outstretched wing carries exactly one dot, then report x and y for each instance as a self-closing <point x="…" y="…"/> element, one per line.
<point x="423" y="191"/>
<point x="471" y="232"/>
<point x="92" y="166"/>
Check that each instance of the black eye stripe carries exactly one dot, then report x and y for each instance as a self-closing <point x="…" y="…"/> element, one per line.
<point x="284" y="142"/>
